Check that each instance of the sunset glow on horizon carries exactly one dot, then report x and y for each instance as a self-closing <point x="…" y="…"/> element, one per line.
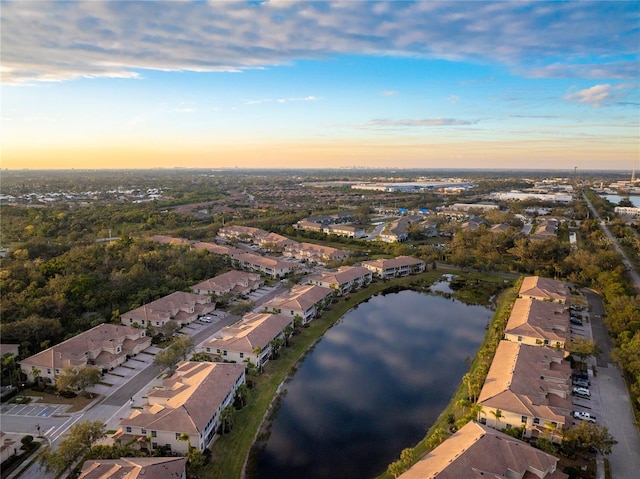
<point x="283" y="84"/>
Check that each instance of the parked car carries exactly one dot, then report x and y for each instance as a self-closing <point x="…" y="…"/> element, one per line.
<point x="581" y="375"/>
<point x="584" y="416"/>
<point x="576" y="321"/>
<point x="580" y="391"/>
<point x="585" y="383"/>
<point x="205" y="319"/>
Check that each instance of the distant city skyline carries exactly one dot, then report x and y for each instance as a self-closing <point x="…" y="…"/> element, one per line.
<point x="283" y="84"/>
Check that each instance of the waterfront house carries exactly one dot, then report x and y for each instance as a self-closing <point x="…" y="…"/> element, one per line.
<point x="135" y="468"/>
<point x="477" y="451"/>
<point x="392" y="268"/>
<point x="539" y="323"/>
<point x="530" y="386"/>
<point x="342" y="280"/>
<point x="305" y="301"/>
<point x="248" y="340"/>
<point x="544" y="289"/>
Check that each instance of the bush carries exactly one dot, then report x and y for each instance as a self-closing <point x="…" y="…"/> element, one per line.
<point x="26" y="441"/>
<point x="65" y="393"/>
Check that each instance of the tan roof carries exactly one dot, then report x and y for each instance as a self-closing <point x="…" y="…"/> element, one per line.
<point x="263" y="261"/>
<point x="342" y="275"/>
<point x="528" y="380"/>
<point x="217" y="249"/>
<point x="544" y="288"/>
<point x="169" y="307"/>
<point x="134" y="468"/>
<point x="394" y="262"/>
<point x="477" y="451"/>
<point x="255" y="330"/>
<point x="301" y="297"/>
<point x="236" y="230"/>
<point x="539" y="319"/>
<point x="228" y="281"/>
<point x="72" y="352"/>
<point x="188" y="399"/>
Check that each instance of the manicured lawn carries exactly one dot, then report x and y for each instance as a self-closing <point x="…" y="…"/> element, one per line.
<point x="76" y="404"/>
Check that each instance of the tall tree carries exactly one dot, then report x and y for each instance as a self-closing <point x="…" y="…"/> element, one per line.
<point x="77" y="443"/>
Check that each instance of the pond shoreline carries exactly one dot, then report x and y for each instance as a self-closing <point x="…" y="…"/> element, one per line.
<point x="419" y="283"/>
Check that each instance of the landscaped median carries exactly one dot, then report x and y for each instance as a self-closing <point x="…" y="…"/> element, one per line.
<point x="231" y="451"/>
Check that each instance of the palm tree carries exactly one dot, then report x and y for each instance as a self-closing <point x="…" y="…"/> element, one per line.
<point x="550" y="428"/>
<point x="226" y="419"/>
<point x="476" y="410"/>
<point x="185" y="437"/>
<point x="241" y="396"/>
<point x="257" y="351"/>
<point x="497" y="414"/>
<point x="35" y="372"/>
<point x="463" y="403"/>
<point x="288" y="331"/>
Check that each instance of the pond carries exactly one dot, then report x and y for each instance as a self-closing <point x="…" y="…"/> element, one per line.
<point x="372" y="386"/>
<point x="615" y="199"/>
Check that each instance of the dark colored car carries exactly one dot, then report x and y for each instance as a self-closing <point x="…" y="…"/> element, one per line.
<point x="574" y="320"/>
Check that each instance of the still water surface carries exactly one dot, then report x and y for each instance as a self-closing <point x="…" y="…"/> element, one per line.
<point x="372" y="386"/>
<point x="615" y="199"/>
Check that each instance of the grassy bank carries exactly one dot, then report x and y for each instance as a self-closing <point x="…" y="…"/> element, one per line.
<point x="231" y="450"/>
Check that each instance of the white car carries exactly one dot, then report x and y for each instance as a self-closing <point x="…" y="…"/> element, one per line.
<point x="584" y="416"/>
<point x="205" y="319"/>
<point x="582" y="391"/>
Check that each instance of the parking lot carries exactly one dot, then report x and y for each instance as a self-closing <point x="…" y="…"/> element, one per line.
<point x="33" y="410"/>
<point x="590" y="404"/>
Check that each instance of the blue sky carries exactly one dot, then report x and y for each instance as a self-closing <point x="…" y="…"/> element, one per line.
<point x="311" y="84"/>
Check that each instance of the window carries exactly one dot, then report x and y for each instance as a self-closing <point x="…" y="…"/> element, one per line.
<point x="208" y="350"/>
<point x="168" y="446"/>
<point x="128" y="429"/>
<point x="519" y="338"/>
<point x="546" y="342"/>
<point x="483" y="420"/>
<point x="524" y="419"/>
<point x="143" y="431"/>
<point x="536" y="420"/>
<point x="154" y="434"/>
<point x="177" y="435"/>
<point x="154" y="445"/>
<point x="224" y="353"/>
<point x="242" y="355"/>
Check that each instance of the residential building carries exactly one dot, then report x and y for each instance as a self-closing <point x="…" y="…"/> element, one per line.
<point x="349" y="231"/>
<point x="343" y="280"/>
<point x="104" y="347"/>
<point x="396" y="231"/>
<point x="245" y="234"/>
<point x="477" y="451"/>
<point x="538" y="323"/>
<point x="218" y="248"/>
<point x="314" y="253"/>
<point x="546" y="228"/>
<point x="181" y="307"/>
<point x="135" y="468"/>
<point x="627" y="211"/>
<point x="544" y="289"/>
<point x="274" y="241"/>
<point x="268" y="266"/>
<point x="484" y="207"/>
<point x="305" y="301"/>
<point x="249" y="339"/>
<point x="190" y="402"/>
<point x="236" y="282"/>
<point x="391" y="268"/>
<point x="307" y="225"/>
<point x="531" y="387"/>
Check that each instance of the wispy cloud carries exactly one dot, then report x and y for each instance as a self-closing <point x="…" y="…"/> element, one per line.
<point x="56" y="41"/>
<point x="279" y="100"/>
<point x="389" y="92"/>
<point x="417" y="122"/>
<point x="598" y="95"/>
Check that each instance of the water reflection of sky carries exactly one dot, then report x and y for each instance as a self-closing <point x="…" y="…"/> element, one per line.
<point x="372" y="386"/>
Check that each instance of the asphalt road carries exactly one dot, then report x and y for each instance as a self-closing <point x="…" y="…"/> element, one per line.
<point x="617" y="414"/>
<point x="635" y="278"/>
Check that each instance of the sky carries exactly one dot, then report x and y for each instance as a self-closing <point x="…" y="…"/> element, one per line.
<point x="301" y="84"/>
